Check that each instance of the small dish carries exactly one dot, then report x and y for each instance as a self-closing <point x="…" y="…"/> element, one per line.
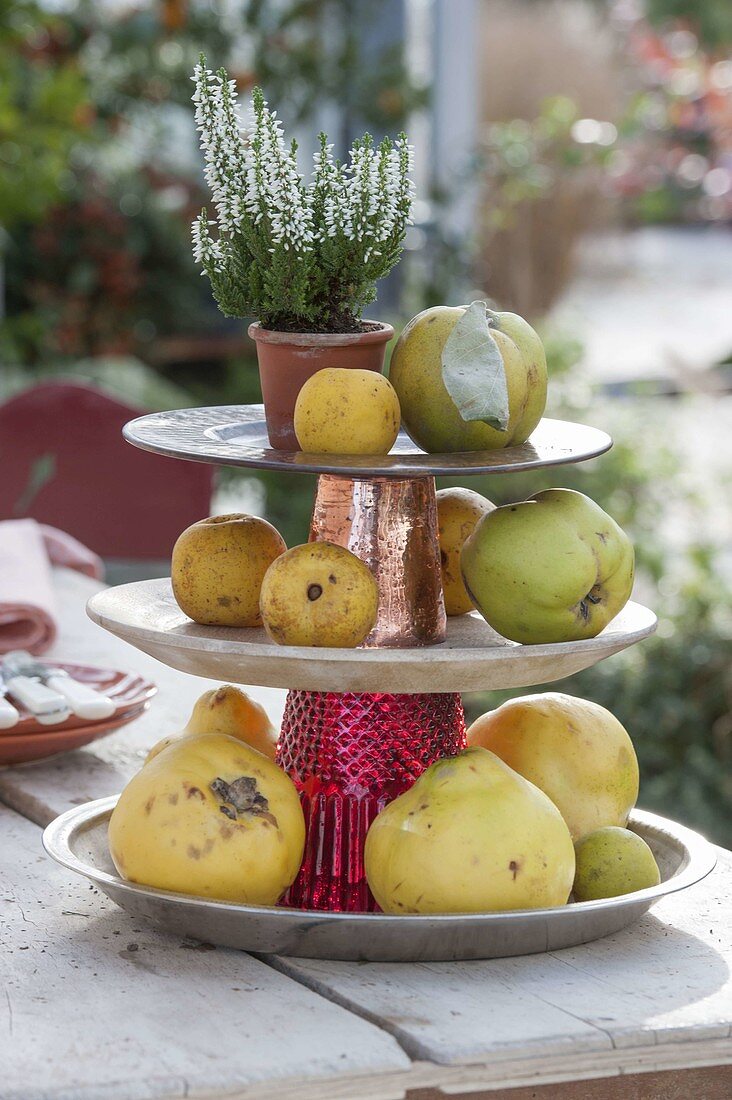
<point x="127" y="690"/>
<point x="23" y="748"/>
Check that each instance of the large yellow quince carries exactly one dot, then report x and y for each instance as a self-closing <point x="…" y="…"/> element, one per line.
<point x="574" y="750"/>
<point x="470" y="836"/>
<point x="227" y="710"/>
<point x="212" y="817"/>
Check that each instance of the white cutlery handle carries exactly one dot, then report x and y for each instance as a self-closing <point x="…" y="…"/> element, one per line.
<point x="54" y="718"/>
<point x="83" y="700"/>
<point x="8" y="714"/>
<point x="34" y="695"/>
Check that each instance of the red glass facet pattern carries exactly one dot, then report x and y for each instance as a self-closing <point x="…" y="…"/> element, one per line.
<point x="349" y="754"/>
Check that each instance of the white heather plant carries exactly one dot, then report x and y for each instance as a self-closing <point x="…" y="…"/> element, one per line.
<point x="299" y="256"/>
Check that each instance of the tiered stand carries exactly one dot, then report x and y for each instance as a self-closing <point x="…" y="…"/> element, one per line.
<point x="361" y="725"/>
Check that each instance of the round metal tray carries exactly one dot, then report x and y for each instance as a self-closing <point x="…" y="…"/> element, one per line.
<point x="78" y="840"/>
<point x="474" y="657"/>
<point x="236" y="435"/>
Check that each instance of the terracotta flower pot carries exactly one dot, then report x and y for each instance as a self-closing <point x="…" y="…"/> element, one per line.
<point x="288" y="359"/>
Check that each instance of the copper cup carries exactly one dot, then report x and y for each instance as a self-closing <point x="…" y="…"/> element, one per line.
<point x="391" y="525"/>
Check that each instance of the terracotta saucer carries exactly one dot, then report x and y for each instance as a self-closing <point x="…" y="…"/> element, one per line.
<point x="127" y="690"/>
<point x="21" y="748"/>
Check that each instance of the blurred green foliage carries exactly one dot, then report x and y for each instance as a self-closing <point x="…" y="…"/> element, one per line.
<point x="541" y="183"/>
<point x="106" y="272"/>
<point x="523" y="160"/>
<point x="711" y="19"/>
<point x="310" y="53"/>
<point x="97" y="141"/>
<point x="43" y="114"/>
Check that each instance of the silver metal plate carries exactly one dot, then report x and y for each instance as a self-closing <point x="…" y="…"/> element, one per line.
<point x="78" y="840"/>
<point x="236" y="435"/>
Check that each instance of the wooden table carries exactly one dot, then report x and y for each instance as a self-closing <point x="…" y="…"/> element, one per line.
<point x="96" y="1006"/>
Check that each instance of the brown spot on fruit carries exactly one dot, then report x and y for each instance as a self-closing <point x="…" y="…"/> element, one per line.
<point x="314" y="592"/>
<point x="241" y="797"/>
<point x="150" y="803"/>
<point x="224" y="601"/>
<point x="193" y="852"/>
<point x="514" y="868"/>
<point x="173" y="799"/>
<point x="195" y="792"/>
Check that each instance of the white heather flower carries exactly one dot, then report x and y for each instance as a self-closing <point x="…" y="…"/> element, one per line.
<point x="362" y="189"/>
<point x="396" y="188"/>
<point x="273" y="183"/>
<point x="329" y="193"/>
<point x="406" y="188"/>
<point x="226" y="157"/>
<point x="285" y="249"/>
<point x="206" y="251"/>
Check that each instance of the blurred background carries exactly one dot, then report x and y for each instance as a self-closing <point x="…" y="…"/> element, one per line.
<point x="573" y="163"/>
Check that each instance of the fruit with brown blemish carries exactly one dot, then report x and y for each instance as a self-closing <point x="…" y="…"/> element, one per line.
<point x="470" y="836"/>
<point x="613" y="861"/>
<point x="213" y="817"/>
<point x="554" y="568"/>
<point x="218" y="565"/>
<point x="429" y="414"/>
<point x="319" y="594"/>
<point x="458" y="513"/>
<point x="574" y="750"/>
<point x="228" y="710"/>
<point x="344" y="411"/>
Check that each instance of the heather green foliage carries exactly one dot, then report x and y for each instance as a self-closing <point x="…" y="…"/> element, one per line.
<point x="299" y="256"/>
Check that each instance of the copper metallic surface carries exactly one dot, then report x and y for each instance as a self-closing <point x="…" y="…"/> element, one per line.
<point x="391" y="525"/>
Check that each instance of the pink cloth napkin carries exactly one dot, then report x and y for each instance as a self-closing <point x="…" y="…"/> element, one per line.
<point x="27" y="600"/>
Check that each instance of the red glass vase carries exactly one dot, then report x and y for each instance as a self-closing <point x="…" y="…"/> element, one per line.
<point x="349" y="754"/>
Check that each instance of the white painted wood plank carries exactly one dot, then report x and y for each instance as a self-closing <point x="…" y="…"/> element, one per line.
<point x="664" y="980"/>
<point x="42" y="791"/>
<point x="94" y="1005"/>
